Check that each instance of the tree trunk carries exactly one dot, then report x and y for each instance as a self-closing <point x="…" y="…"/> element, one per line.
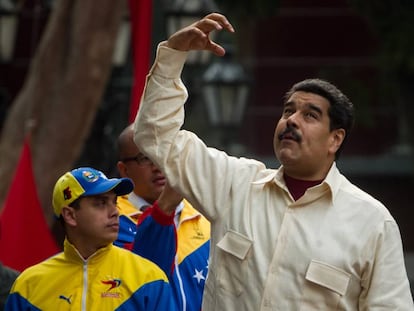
<point x="62" y="92"/>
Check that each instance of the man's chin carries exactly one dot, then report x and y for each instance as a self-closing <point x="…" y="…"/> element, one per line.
<point x="287" y="156"/>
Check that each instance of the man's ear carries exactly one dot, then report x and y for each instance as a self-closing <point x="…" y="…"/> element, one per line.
<point x="122" y="169"/>
<point x="337" y="138"/>
<point x="69" y="215"/>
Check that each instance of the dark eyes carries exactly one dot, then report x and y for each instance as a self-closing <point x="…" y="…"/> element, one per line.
<point x="102" y="202"/>
<point x="309" y="114"/>
<point x="287" y="111"/>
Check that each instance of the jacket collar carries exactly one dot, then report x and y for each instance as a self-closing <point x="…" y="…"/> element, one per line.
<point x="73" y="254"/>
<point x="275" y="176"/>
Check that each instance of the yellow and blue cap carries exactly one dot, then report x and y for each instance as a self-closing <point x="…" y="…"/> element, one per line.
<point x="86" y="181"/>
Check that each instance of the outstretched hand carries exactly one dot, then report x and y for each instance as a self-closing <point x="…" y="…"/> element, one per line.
<point x="197" y="35"/>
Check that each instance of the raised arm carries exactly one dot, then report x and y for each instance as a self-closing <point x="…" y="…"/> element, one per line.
<point x="160" y="117"/>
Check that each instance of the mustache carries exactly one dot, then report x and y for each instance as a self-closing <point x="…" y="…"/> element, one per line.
<point x="290" y="133"/>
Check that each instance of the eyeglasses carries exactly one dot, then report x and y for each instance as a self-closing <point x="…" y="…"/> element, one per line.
<point x="139" y="158"/>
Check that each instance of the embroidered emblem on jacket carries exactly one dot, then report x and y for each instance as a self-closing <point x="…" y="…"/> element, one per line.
<point x="113" y="283"/>
<point x="198" y="233"/>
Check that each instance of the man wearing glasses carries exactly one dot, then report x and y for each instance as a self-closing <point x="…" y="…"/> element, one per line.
<point x="148" y="180"/>
<point x="177" y="240"/>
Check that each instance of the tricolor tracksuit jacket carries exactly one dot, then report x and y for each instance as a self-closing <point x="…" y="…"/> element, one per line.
<point x="185" y="262"/>
<point x="111" y="279"/>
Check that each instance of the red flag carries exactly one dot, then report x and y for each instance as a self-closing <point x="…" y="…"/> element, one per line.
<point x="25" y="238"/>
<point x="141" y="26"/>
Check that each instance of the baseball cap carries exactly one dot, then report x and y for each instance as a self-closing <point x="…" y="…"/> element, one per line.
<point x="86" y="181"/>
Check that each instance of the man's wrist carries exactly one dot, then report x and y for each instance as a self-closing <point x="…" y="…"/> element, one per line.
<point x="161" y="217"/>
<point x="166" y="206"/>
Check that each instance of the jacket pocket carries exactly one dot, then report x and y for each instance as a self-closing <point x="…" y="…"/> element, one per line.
<point x="232" y="261"/>
<point x="324" y="286"/>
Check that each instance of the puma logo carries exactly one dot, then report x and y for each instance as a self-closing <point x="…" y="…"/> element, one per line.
<point x="67" y="299"/>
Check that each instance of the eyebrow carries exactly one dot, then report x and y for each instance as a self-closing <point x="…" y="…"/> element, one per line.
<point x="308" y="105"/>
<point x="289" y="103"/>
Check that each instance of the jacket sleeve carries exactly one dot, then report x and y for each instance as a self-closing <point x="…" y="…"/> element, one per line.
<point x="205" y="176"/>
<point x="385" y="284"/>
<point x="156" y="239"/>
<point x="16" y="302"/>
<point x="153" y="296"/>
<point x="126" y="233"/>
<point x="161" y="299"/>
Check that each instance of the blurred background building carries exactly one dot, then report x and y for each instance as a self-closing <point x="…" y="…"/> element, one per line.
<point x="341" y="41"/>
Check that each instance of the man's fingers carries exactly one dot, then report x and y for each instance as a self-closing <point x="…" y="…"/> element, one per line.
<point x="221" y="20"/>
<point x="197" y="35"/>
<point x="216" y="49"/>
<point x="213" y="22"/>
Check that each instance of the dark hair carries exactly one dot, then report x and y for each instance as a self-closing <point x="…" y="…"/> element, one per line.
<point x="341" y="110"/>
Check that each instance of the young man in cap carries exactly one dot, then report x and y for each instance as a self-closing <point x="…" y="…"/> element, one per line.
<point x="91" y="273"/>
